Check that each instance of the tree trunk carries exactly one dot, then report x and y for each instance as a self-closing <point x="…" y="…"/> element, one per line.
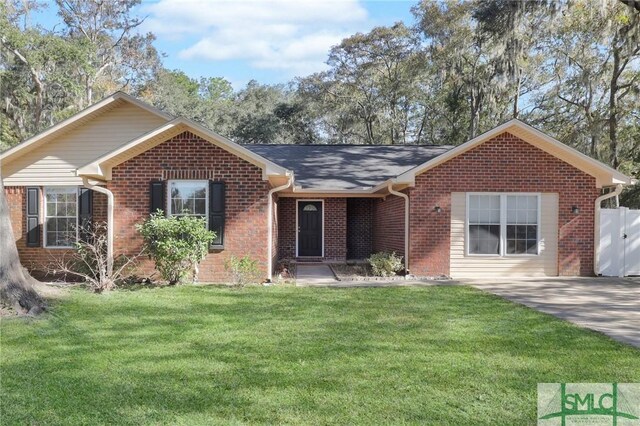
<point x="595" y="141"/>
<point x="15" y="282"/>
<point x="35" y="76"/>
<point x="474" y="115"/>
<point x="516" y="98"/>
<point x="613" y="108"/>
<point x="422" y="124"/>
<point x="88" y="92"/>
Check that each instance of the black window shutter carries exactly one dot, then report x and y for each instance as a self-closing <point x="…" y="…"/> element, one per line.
<point x="216" y="211"/>
<point x="85" y="213"/>
<point x="157" y="192"/>
<point x="33" y="217"/>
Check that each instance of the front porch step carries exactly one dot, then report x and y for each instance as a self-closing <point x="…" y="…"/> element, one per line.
<point x="309" y="260"/>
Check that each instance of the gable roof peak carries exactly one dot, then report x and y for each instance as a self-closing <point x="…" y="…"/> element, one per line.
<point x="604" y="174"/>
<point x="103" y="105"/>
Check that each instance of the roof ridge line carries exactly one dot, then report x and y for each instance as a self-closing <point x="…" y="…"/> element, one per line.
<point x="339" y="144"/>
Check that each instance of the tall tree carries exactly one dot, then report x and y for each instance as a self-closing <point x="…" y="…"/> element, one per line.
<point x="116" y="57"/>
<point x="515" y="26"/>
<point x="466" y="56"/>
<point x="597" y="75"/>
<point x="203" y="101"/>
<point x="624" y="73"/>
<point x="594" y="64"/>
<point x="369" y="93"/>
<point x="36" y="73"/>
<point x="15" y="283"/>
<point x="269" y="114"/>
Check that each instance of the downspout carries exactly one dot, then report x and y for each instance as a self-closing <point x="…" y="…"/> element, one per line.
<point x="596" y="225"/>
<point x="270" y="225"/>
<point x="406" y="225"/>
<point x="110" y="203"/>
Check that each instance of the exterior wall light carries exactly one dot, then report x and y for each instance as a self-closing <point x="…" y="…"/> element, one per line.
<point x="437" y="209"/>
<point x="575" y="210"/>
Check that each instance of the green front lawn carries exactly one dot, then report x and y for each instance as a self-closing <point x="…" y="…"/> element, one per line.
<point x="206" y="355"/>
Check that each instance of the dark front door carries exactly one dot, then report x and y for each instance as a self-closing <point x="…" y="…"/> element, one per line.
<point x="310" y="228"/>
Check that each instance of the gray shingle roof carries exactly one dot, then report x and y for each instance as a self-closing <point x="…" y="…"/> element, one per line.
<point x="347" y="166"/>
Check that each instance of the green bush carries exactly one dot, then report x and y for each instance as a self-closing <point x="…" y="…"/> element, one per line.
<point x="243" y="270"/>
<point x="385" y="264"/>
<point x="176" y="244"/>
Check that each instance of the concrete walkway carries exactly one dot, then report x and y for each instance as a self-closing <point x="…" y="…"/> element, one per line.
<point x="314" y="274"/>
<point x="608" y="305"/>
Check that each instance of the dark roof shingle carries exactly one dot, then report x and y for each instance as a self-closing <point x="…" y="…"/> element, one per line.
<point x="347" y="166"/>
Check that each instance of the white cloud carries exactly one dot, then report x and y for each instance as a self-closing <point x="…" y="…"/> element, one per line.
<point x="290" y="35"/>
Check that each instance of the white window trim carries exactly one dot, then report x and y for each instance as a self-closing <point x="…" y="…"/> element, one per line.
<point x="206" y="203"/>
<point x="297" y="226"/>
<point x="44" y="215"/>
<point x="503" y="224"/>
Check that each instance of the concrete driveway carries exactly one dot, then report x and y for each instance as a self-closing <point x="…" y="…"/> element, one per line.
<point x="608" y="305"/>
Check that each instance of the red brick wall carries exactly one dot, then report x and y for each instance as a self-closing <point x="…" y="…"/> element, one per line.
<point x="37" y="258"/>
<point x="15" y="199"/>
<point x="503" y="164"/>
<point x="189" y="155"/>
<point x="359" y="227"/>
<point x="99" y="207"/>
<point x="335" y="228"/>
<point x="33" y="258"/>
<point x="286" y="228"/>
<point x="388" y="225"/>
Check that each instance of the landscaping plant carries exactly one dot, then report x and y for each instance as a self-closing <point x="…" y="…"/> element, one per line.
<point x="385" y="264"/>
<point x="244" y="270"/>
<point x="176" y="244"/>
<point x="90" y="263"/>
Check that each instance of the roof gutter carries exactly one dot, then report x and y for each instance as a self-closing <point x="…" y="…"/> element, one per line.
<point x="406" y="225"/>
<point x="270" y="225"/>
<point x="110" y="204"/>
<point x="596" y="225"/>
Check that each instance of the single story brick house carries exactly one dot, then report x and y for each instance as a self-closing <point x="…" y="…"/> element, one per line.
<point x="512" y="201"/>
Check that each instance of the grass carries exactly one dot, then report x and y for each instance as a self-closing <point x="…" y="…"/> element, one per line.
<point x="208" y="355"/>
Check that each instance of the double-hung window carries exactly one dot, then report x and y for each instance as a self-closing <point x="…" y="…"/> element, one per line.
<point x="197" y="198"/>
<point x="503" y="224"/>
<point x="522" y="224"/>
<point x="188" y="198"/>
<point x="61" y="218"/>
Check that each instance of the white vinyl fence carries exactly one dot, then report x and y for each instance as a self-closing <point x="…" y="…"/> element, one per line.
<point x="619" y="250"/>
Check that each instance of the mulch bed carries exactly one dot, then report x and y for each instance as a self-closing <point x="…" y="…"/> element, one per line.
<point x="359" y="272"/>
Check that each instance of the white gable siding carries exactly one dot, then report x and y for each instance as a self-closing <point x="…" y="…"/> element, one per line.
<point x="545" y="264"/>
<point x="55" y="162"/>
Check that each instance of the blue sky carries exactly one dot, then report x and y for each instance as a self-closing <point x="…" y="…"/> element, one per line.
<point x="270" y="41"/>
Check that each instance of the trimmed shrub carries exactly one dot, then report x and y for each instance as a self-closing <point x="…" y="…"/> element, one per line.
<point x="176" y="244"/>
<point x="385" y="264"/>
